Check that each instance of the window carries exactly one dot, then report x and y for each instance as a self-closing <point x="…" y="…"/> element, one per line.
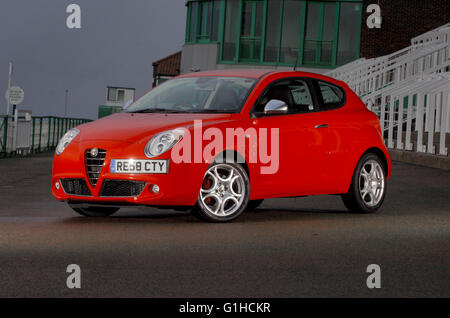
<point x="207" y="94"/>
<point x="215" y="19"/>
<point x="112" y="94"/>
<point x="193" y="22"/>
<point x="294" y="92"/>
<point x="204" y="28"/>
<point x="273" y="28"/>
<point x="300" y="95"/>
<point x="348" y="34"/>
<point x="229" y="44"/>
<point x="320" y="33"/>
<point x="251" y="30"/>
<point x="203" y="21"/>
<point x="317" y="33"/>
<point x="120" y="95"/>
<point x="331" y="95"/>
<point x="290" y="39"/>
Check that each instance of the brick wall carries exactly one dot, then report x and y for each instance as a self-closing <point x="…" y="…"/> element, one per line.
<point x="402" y="20"/>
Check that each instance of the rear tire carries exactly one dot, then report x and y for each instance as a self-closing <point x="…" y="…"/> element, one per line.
<point x="368" y="187"/>
<point x="96" y="211"/>
<point x="224" y="193"/>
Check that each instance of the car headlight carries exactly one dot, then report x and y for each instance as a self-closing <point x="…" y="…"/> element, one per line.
<point x="66" y="140"/>
<point x="162" y="142"/>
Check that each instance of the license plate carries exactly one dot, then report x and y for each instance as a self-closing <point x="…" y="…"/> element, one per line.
<point x="139" y="166"/>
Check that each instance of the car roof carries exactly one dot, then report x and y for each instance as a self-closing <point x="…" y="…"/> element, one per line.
<point x="250" y="73"/>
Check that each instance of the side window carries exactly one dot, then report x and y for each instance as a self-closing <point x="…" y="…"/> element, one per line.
<point x="301" y="97"/>
<point x="295" y="93"/>
<point x="331" y="95"/>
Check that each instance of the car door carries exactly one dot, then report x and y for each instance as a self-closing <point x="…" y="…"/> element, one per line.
<point x="331" y="99"/>
<point x="303" y="139"/>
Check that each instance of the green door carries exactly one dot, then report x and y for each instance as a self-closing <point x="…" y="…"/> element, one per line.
<point x="251" y="30"/>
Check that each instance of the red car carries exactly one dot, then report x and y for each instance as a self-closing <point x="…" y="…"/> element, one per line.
<point x="219" y="142"/>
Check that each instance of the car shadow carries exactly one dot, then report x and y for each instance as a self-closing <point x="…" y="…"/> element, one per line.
<point x="177" y="217"/>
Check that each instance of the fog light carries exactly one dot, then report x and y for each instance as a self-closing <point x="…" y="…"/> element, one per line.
<point x="57" y="185"/>
<point x="155" y="188"/>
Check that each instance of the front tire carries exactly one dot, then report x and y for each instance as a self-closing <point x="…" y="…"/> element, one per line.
<point x="96" y="211"/>
<point x="368" y="187"/>
<point x="224" y="193"/>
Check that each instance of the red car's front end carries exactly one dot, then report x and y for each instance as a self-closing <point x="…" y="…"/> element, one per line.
<point x="78" y="176"/>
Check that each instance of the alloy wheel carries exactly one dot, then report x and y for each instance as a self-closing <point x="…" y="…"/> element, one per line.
<point x="223" y="190"/>
<point x="371" y="183"/>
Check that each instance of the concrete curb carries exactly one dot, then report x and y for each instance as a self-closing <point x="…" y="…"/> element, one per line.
<point x="421" y="159"/>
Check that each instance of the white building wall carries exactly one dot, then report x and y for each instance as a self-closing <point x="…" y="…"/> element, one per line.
<point x="128" y="95"/>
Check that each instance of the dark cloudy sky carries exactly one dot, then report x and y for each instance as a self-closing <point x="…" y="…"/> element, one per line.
<point x="116" y="45"/>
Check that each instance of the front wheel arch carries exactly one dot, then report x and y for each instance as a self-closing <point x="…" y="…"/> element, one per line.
<point x="233" y="156"/>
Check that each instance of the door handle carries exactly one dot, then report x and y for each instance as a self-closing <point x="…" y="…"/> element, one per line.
<point x="321" y="126"/>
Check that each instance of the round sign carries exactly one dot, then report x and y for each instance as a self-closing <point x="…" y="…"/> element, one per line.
<point x="14" y="95"/>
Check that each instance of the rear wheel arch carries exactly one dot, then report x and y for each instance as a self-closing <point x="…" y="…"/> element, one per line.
<point x="381" y="155"/>
<point x="367" y="189"/>
<point x="376" y="151"/>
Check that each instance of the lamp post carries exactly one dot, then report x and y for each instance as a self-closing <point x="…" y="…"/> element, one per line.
<point x="67" y="101"/>
<point x="9" y="85"/>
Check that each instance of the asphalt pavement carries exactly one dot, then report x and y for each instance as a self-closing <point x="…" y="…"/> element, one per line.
<point x="299" y="247"/>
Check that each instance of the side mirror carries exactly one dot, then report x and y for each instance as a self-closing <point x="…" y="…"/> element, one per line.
<point x="275" y="106"/>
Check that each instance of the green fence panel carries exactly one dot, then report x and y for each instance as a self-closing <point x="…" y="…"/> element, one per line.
<point x="33" y="123"/>
<point x="51" y="129"/>
<point x="40" y="133"/>
<point x="4" y="126"/>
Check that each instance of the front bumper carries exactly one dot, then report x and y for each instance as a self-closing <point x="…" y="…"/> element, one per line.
<point x="179" y="187"/>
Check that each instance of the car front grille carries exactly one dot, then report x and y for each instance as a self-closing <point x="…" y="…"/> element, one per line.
<point x="94" y="165"/>
<point x="122" y="188"/>
<point x="75" y="187"/>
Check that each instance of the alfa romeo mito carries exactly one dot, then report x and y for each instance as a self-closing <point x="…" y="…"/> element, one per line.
<point x="220" y="142"/>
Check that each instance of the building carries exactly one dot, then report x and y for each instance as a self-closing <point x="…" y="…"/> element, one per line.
<point x="116" y="98"/>
<point x="166" y="68"/>
<point x="314" y="35"/>
<point x="394" y="54"/>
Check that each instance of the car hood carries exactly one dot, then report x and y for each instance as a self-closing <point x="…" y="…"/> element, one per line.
<point x="135" y="127"/>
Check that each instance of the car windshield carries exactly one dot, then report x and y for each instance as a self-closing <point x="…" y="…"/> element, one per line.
<point x="196" y="95"/>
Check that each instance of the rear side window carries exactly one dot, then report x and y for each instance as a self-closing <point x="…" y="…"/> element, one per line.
<point x="330" y="96"/>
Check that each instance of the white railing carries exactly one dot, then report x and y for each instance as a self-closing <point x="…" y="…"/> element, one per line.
<point x="409" y="91"/>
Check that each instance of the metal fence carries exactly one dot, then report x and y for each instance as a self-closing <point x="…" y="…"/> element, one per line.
<point x="33" y="135"/>
<point x="409" y="90"/>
